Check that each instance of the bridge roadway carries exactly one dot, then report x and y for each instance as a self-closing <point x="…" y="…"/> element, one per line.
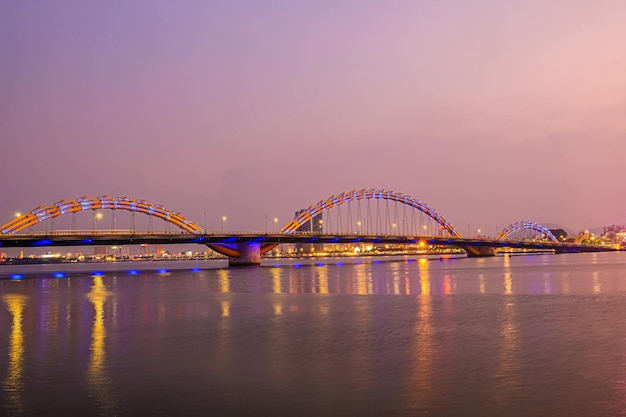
<point x="486" y="246"/>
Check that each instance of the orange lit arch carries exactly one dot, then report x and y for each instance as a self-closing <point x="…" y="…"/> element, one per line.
<point x="368" y="194"/>
<point x="525" y="224"/>
<point x="42" y="213"/>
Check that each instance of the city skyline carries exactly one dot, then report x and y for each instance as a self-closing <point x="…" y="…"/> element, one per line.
<point x="489" y="112"/>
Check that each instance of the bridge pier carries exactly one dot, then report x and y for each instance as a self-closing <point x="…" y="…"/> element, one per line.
<point x="250" y="255"/>
<point x="479" y="251"/>
<point x="240" y="254"/>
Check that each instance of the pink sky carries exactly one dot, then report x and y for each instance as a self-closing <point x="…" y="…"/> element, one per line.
<point x="489" y="111"/>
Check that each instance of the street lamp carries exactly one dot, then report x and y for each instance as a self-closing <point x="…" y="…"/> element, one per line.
<point x="274" y="225"/>
<point x="17" y="214"/>
<point x="97" y="216"/>
<point x="223" y="220"/>
<point x="358" y="227"/>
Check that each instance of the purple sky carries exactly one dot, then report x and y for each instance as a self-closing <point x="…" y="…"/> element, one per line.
<point x="489" y="111"/>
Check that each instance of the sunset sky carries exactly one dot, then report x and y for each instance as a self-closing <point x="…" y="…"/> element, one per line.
<point x="490" y="111"/>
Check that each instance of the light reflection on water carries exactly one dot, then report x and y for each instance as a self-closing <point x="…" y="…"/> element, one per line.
<point x="496" y="336"/>
<point x="14" y="384"/>
<point x="97" y="376"/>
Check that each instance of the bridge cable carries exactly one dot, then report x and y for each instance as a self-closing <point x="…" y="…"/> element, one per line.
<point x="350" y="224"/>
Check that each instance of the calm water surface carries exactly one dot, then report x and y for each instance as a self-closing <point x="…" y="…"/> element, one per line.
<point x="541" y="335"/>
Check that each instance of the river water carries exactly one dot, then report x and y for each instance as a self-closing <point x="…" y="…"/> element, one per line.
<point x="541" y="335"/>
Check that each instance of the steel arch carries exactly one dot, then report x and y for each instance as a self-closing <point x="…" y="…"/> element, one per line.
<point x="42" y="213"/>
<point x="526" y="224"/>
<point x="581" y="237"/>
<point x="367" y="194"/>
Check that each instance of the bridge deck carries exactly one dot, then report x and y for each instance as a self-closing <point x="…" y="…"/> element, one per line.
<point x="126" y="238"/>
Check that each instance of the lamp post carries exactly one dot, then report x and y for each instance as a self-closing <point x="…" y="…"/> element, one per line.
<point x="223" y="221"/>
<point x="97" y="216"/>
<point x="274" y="225"/>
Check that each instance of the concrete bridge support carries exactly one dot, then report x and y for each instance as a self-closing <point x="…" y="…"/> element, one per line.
<point x="240" y="254"/>
<point x="479" y="251"/>
<point x="249" y="254"/>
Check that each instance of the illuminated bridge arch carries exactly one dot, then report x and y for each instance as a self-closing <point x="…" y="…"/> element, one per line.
<point x="582" y="236"/>
<point x="42" y="213"/>
<point x="368" y="194"/>
<point x="525" y="224"/>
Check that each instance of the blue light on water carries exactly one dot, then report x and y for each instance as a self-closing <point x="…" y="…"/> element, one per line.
<point x="320" y="264"/>
<point x="133" y="272"/>
<point x="377" y="261"/>
<point x="339" y="263"/>
<point x="97" y="274"/>
<point x="162" y="271"/>
<point x="195" y="269"/>
<point x="59" y="275"/>
<point x="17" y="277"/>
<point x="42" y="242"/>
<point x="86" y="241"/>
<point x="297" y="265"/>
<point x="358" y="262"/>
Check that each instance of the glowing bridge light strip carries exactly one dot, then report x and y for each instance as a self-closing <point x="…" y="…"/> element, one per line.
<point x="84" y="203"/>
<point x="368" y="194"/>
<point x="526" y="224"/>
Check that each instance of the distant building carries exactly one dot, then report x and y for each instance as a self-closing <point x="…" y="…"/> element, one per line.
<point x="614" y="233"/>
<point x="100" y="250"/>
<point x="313" y="226"/>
